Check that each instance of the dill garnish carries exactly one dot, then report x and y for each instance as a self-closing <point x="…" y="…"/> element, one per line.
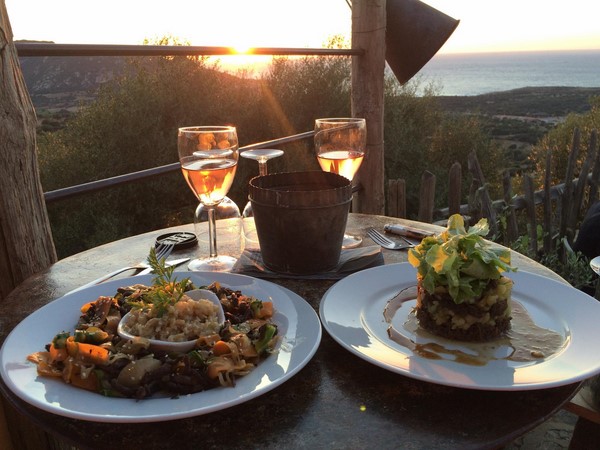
<point x="165" y="289"/>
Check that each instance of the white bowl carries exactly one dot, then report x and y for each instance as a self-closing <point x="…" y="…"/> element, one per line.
<point x="182" y="346"/>
<point x="595" y="264"/>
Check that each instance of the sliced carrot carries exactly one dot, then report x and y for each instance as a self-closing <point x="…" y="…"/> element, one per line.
<point x="57" y="354"/>
<point x="266" y="311"/>
<point x="90" y="383"/>
<point x="221" y="348"/>
<point x="87" y="353"/>
<point x="86" y="307"/>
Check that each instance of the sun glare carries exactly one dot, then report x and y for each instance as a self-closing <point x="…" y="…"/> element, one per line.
<point x="242" y="49"/>
<point x="252" y="65"/>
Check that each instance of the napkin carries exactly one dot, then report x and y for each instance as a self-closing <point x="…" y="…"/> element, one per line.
<point x="351" y="260"/>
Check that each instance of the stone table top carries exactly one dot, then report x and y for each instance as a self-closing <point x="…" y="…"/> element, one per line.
<point x="336" y="401"/>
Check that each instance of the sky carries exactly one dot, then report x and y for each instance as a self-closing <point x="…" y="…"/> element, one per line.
<point x="485" y="25"/>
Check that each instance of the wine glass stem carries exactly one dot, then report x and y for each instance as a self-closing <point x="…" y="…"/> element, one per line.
<point x="262" y="168"/>
<point x="212" y="230"/>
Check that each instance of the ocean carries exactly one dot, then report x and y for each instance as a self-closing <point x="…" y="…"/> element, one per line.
<point x="481" y="73"/>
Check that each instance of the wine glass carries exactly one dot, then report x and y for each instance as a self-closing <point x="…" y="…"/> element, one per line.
<point x="228" y="224"/>
<point x="340" y="144"/>
<point x="208" y="157"/>
<point x="261" y="155"/>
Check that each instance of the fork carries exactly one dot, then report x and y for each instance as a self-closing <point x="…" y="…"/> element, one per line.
<point x="380" y="239"/>
<point x="162" y="252"/>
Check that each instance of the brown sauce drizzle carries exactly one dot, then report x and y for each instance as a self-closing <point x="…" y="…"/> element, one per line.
<point x="524" y="342"/>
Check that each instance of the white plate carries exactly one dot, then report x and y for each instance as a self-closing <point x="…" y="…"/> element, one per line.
<point x="297" y="322"/>
<point x="352" y="312"/>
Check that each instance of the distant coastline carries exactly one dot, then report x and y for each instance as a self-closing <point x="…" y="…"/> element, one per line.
<point x="547" y="103"/>
<point x="483" y="73"/>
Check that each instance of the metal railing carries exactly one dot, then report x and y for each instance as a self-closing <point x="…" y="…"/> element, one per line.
<point x="49" y="49"/>
<point x="92" y="186"/>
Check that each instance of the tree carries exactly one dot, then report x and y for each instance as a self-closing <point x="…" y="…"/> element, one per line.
<point x="132" y="126"/>
<point x="26" y="244"/>
<point x="420" y="136"/>
<point x="559" y="141"/>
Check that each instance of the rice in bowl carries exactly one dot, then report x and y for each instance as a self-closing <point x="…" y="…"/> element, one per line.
<point x="182" y="321"/>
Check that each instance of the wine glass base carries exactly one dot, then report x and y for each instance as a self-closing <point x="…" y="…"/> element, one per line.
<point x="221" y="263"/>
<point x="351" y="241"/>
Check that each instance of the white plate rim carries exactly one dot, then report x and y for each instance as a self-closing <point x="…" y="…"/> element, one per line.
<point x="578" y="320"/>
<point x="298" y="323"/>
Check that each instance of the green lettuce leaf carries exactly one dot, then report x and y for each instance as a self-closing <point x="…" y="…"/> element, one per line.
<point x="459" y="259"/>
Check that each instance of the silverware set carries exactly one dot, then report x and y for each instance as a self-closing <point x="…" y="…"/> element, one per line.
<point x="385" y="242"/>
<point x="163" y="250"/>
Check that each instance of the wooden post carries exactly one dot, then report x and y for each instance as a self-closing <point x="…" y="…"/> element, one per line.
<point x="582" y="182"/>
<point x="528" y="192"/>
<point x="487" y="208"/>
<point x="427" y="197"/>
<point x="396" y="202"/>
<point x="454" y="188"/>
<point x="512" y="229"/>
<point x="26" y="244"/>
<point x="474" y="205"/>
<point x="368" y="34"/>
<point x="595" y="170"/>
<point x="567" y="197"/>
<point x="548" y="230"/>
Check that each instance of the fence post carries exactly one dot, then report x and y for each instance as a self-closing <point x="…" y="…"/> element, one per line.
<point x="396" y="201"/>
<point x="582" y="181"/>
<point x="594" y="180"/>
<point x="474" y="203"/>
<point x="548" y="244"/>
<point x="531" y="220"/>
<point x="567" y="197"/>
<point x="426" y="197"/>
<point x="512" y="230"/>
<point x="454" y="188"/>
<point x="486" y="203"/>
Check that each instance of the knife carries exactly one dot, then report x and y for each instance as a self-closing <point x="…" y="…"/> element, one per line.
<point x="404" y="230"/>
<point x="173" y="262"/>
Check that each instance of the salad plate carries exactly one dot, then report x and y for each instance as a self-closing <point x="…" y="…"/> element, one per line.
<point x="352" y="312"/>
<point x="299" y="329"/>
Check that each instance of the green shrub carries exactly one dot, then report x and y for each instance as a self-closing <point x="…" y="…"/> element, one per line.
<point x="133" y="126"/>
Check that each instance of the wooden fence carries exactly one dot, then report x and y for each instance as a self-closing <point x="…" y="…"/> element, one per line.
<point x="562" y="206"/>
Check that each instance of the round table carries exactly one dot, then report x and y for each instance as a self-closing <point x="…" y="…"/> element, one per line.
<point x="337" y="401"/>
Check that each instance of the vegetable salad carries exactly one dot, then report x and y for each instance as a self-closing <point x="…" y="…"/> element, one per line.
<point x="94" y="357"/>
<point x="459" y="259"/>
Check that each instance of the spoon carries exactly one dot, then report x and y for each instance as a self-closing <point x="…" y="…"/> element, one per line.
<point x="182" y="346"/>
<point x="595" y="264"/>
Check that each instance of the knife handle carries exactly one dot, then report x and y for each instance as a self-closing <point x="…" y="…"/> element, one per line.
<point x="403" y="230"/>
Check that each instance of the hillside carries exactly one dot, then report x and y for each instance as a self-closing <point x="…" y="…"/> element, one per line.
<point x="534" y="102"/>
<point x="66" y="82"/>
<point x="59" y="86"/>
